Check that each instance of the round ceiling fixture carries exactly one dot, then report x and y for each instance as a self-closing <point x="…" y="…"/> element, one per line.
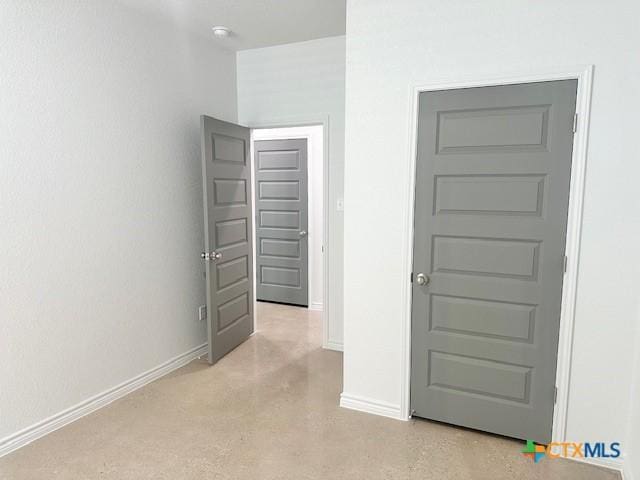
<point x="220" y="31"/>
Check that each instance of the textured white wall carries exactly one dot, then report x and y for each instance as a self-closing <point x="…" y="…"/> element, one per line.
<point x="302" y="80"/>
<point x="315" y="163"/>
<point x="100" y="198"/>
<point x="394" y="45"/>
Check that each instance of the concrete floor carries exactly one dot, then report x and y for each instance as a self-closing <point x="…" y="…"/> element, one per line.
<point x="269" y="410"/>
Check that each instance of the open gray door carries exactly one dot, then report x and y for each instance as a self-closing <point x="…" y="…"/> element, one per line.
<point x="228" y="252"/>
<point x="491" y="201"/>
<point x="281" y="221"/>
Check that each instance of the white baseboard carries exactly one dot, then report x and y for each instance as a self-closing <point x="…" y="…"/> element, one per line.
<point x="316" y="306"/>
<point x="616" y="464"/>
<point x="626" y="472"/>
<point x="54" y="422"/>
<point x="385" y="409"/>
<point x="331" y="345"/>
<point x="368" y="405"/>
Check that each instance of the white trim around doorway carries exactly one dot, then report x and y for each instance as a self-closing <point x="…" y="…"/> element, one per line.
<point x="584" y="75"/>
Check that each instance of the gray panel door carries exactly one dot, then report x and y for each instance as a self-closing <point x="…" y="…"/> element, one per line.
<point x="281" y="221"/>
<point x="491" y="200"/>
<point x="228" y="248"/>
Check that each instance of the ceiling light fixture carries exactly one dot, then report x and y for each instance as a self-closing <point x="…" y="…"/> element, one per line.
<point x="221" y="32"/>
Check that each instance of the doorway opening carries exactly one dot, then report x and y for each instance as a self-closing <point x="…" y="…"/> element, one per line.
<point x="278" y="214"/>
<point x="289" y="228"/>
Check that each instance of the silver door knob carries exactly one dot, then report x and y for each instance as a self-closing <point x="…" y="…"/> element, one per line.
<point x="422" y="279"/>
<point x="211" y="256"/>
<point x="303" y="233"/>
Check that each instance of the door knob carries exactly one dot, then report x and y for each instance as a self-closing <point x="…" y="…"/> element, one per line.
<point x="422" y="279"/>
<point x="211" y="256"/>
<point x="303" y="233"/>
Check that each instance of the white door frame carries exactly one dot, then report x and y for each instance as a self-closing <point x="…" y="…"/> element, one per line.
<point x="306" y="121"/>
<point x="584" y="75"/>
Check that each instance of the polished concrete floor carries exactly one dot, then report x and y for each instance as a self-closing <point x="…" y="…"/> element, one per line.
<point x="269" y="410"/>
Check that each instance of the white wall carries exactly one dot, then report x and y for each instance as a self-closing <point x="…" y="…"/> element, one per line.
<point x="632" y="463"/>
<point x="392" y="46"/>
<point x="101" y="220"/>
<point x="293" y="83"/>
<point x="315" y="165"/>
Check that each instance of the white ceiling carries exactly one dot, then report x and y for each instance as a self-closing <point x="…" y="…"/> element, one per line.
<point x="255" y="23"/>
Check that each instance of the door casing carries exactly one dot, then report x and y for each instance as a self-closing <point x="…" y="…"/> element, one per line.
<point x="584" y="76"/>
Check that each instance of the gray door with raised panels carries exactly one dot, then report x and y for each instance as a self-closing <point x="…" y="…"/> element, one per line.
<point x="281" y="221"/>
<point x="228" y="255"/>
<point x="491" y="201"/>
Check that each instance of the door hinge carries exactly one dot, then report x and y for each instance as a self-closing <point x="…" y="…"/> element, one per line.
<point x="565" y="262"/>
<point x="555" y="395"/>
<point x="575" y="123"/>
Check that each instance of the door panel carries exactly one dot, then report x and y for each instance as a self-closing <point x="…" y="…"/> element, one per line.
<point x="228" y="216"/>
<point x="491" y="201"/>
<point x="281" y="221"/>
